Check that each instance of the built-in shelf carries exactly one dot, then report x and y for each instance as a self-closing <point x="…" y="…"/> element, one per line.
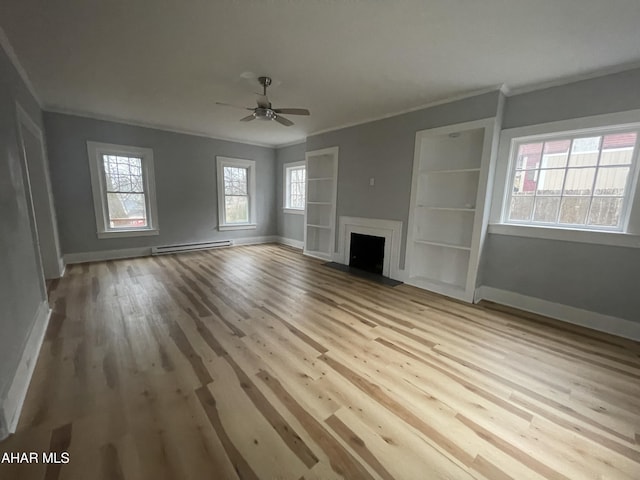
<point x="441" y="244"/>
<point x="451" y="209"/>
<point x="320" y="212"/>
<point x="448" y="195"/>
<point x="458" y="170"/>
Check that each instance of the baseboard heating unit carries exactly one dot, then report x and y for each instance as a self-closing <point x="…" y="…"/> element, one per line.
<point x="189" y="247"/>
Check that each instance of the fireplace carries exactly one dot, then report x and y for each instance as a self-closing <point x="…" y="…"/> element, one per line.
<point x="367" y="252"/>
<point x="389" y="230"/>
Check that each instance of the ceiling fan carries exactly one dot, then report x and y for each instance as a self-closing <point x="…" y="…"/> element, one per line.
<point x="264" y="110"/>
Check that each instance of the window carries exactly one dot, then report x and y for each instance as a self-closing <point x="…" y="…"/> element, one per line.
<point x="236" y="194"/>
<point x="580" y="180"/>
<point x="123" y="190"/>
<point x="294" y="192"/>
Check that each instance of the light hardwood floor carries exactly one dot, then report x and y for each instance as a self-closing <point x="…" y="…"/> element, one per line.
<point x="256" y="362"/>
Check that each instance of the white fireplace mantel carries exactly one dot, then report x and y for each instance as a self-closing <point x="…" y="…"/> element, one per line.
<point x="390" y="230"/>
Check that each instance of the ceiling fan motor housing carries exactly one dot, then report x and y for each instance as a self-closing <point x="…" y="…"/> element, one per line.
<point x="264" y="113"/>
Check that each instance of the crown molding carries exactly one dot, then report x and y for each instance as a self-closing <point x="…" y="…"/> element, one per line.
<point x="435" y="103"/>
<point x="558" y="82"/>
<point x="134" y="123"/>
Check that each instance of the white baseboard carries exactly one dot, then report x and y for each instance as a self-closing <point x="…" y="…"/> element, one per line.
<point x="255" y="240"/>
<point x="299" y="244"/>
<point x="11" y="405"/>
<point x="577" y="316"/>
<point x="84" y="257"/>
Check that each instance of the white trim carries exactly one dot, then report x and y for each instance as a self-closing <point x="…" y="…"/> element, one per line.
<point x="164" y="128"/>
<point x="334" y="153"/>
<point x="254" y="240"/>
<point x="46" y="222"/>
<point x="299" y="244"/>
<point x="577" y="126"/>
<point x="390" y="230"/>
<point x="579" y="77"/>
<point x="240" y="226"/>
<point x="577" y="316"/>
<point x="130" y="232"/>
<point x="102" y="255"/>
<point x="13" y="58"/>
<point x="99" y="256"/>
<point x="285" y="191"/>
<point x="293" y="211"/>
<point x="618" y="239"/>
<point x="250" y="165"/>
<point x="291" y="144"/>
<point x="11" y="404"/>
<point x="454" y="98"/>
<point x="95" y="150"/>
<point x="480" y="211"/>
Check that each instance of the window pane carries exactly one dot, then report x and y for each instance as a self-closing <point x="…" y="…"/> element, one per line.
<point x="236" y="209"/>
<point x="550" y="182"/>
<point x="127" y="210"/>
<point x="521" y="208"/>
<point x="579" y="181"/>
<point x="546" y="209"/>
<point x="235" y="181"/>
<point x="605" y="211"/>
<point x="617" y="149"/>
<point x="611" y="181"/>
<point x="584" y="151"/>
<point x="555" y="153"/>
<point x="524" y="182"/>
<point x="573" y="210"/>
<point x="123" y="174"/>
<point x="529" y="155"/>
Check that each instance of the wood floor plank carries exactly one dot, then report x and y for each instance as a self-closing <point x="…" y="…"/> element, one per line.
<point x="257" y="362"/>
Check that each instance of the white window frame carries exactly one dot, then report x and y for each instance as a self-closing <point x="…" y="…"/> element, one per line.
<point x="287" y="169"/>
<point x="96" y="150"/>
<point x="250" y="165"/>
<point x="629" y="232"/>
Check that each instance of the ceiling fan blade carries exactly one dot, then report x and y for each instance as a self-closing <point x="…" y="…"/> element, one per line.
<point x="248" y="118"/>
<point x="263" y="101"/>
<point x="292" y="111"/>
<point x="283" y="121"/>
<point x="234" y="106"/>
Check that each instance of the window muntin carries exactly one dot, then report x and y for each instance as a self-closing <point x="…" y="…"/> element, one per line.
<point x="572" y="181"/>
<point x="236" y="193"/>
<point x="123" y="186"/>
<point x="125" y="192"/>
<point x="295" y="181"/>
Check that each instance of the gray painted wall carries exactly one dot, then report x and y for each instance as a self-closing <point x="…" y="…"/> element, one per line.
<point x="20" y="271"/>
<point x="290" y="225"/>
<point x="600" y="278"/>
<point x="609" y="94"/>
<point x="185" y="177"/>
<point x="384" y="150"/>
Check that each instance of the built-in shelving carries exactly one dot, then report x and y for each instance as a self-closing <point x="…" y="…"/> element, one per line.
<point x="448" y="197"/>
<point x="320" y="212"/>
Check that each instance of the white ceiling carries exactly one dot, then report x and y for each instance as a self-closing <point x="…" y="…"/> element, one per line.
<point x="166" y="62"/>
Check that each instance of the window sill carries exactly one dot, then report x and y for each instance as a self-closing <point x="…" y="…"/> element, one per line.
<point x="617" y="239"/>
<point x="241" y="226"/>
<point x="295" y="211"/>
<point x="129" y="233"/>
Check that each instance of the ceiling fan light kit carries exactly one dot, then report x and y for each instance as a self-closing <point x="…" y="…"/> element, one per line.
<point x="264" y="110"/>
